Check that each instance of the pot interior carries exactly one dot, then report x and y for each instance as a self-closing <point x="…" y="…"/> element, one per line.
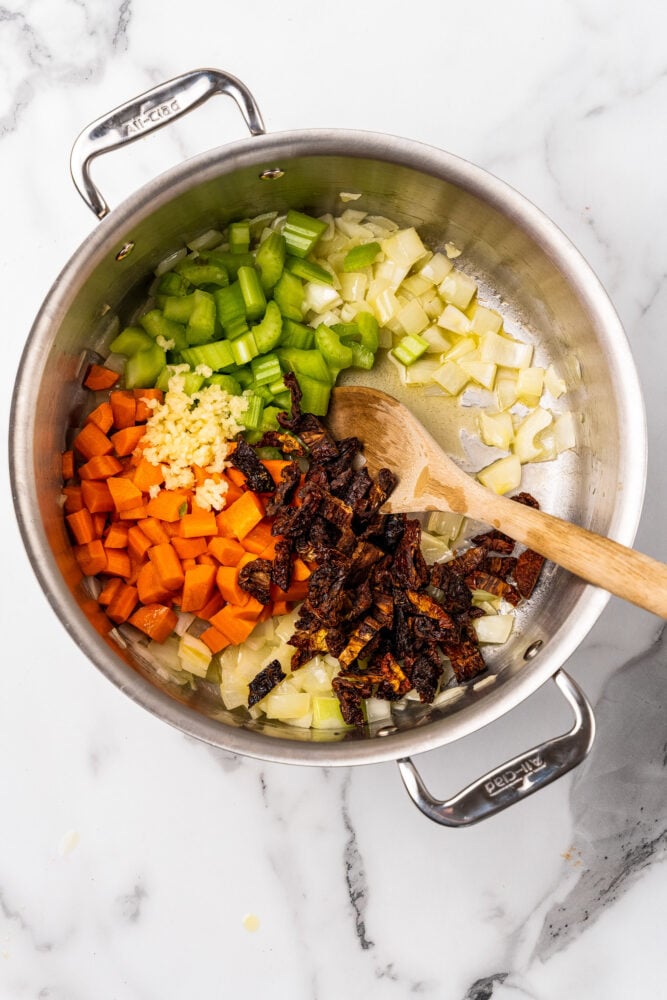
<point x="524" y="268"/>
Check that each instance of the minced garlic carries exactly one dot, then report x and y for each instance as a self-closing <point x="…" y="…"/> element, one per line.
<point x="184" y="431"/>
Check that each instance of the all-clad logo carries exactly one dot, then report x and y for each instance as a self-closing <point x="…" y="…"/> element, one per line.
<point x="147" y="119"/>
<point x="514" y="775"/>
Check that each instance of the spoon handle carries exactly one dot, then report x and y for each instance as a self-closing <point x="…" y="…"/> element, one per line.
<point x="622" y="571"/>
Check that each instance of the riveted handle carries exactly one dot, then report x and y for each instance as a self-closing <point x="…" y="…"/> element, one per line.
<point x="515" y="779"/>
<point x="148" y="112"/>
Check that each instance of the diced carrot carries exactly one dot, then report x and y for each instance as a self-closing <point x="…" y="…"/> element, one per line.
<point x="134" y="513"/>
<point x="206" y="559"/>
<point x="246" y="558"/>
<point x="189" y="548"/>
<point x="226" y="550"/>
<point x="270" y="551"/>
<point x="109" y="591"/>
<point x="143" y="410"/>
<point x="101" y="416"/>
<point x="252" y="609"/>
<point x="123" y="603"/>
<point x="100" y="467"/>
<point x="125" y="494"/>
<point x="91" y="557"/>
<point x="236" y="476"/>
<point x="81" y="526"/>
<point x="91" y="441"/>
<point x="211" y="607"/>
<point x="188" y="564"/>
<point x="167" y="565"/>
<point x="138" y="543"/>
<point x="67" y="464"/>
<point x="168" y="505"/>
<point x="260" y="536"/>
<point x="242" y="516"/>
<point x="117" y="536"/>
<point x="214" y="639"/>
<point x="73" y="499"/>
<point x="280" y="608"/>
<point x="99" y="377"/>
<point x="99" y="523"/>
<point x="274" y="466"/>
<point x="96" y="496"/>
<point x="156" y="620"/>
<point x="149" y="587"/>
<point x="227" y="580"/>
<point x="126" y="440"/>
<point x="299" y="570"/>
<point x="234" y="628"/>
<point x="198" y="524"/>
<point x="124" y="407"/>
<point x="118" y="563"/>
<point x="154" y="529"/>
<point x="233" y="491"/>
<point x="146" y="475"/>
<point x="136" y="565"/>
<point x="198" y="587"/>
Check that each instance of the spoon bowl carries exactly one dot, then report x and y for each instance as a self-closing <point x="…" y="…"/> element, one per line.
<point x="429" y="480"/>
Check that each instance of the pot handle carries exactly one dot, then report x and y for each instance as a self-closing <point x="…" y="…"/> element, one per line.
<point x="516" y="778"/>
<point x="150" y="111"/>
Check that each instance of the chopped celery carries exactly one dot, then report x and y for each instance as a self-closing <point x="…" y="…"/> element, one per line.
<point x="315" y="395"/>
<point x="335" y="353"/>
<point x="361" y="256"/>
<point x="155" y="325"/>
<point x="251" y="290"/>
<point x="308" y="270"/>
<point x="410" y="348"/>
<point x="297" y="335"/>
<point x="201" y="325"/>
<point x="368" y="328"/>
<point x="226" y="382"/>
<point x="130" y="340"/>
<point x="270" y="419"/>
<point x="362" y="357"/>
<point x="172" y="283"/>
<point x="270" y="259"/>
<point x="289" y="295"/>
<point x="268" y="332"/>
<point x="178" y="307"/>
<point x="266" y="369"/>
<point x="143" y="367"/>
<point x="310" y="363"/>
<point x="216" y="356"/>
<point x="239" y="236"/>
<point x="252" y="417"/>
<point x="302" y="232"/>
<point x="205" y="274"/>
<point x="192" y="382"/>
<point x="230" y="261"/>
<point x="244" y="348"/>
<point x="230" y="307"/>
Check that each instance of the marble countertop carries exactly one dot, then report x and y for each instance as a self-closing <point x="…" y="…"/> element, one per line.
<point x="134" y="861"/>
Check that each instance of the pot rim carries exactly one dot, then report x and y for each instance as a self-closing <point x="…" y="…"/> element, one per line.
<point x="265" y="151"/>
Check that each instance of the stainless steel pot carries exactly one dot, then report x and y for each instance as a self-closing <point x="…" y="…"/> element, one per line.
<point x="522" y="262"/>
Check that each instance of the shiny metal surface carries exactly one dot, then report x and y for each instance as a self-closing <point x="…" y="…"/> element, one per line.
<point x="150" y="111"/>
<point x="516" y="779"/>
<point x="524" y="265"/>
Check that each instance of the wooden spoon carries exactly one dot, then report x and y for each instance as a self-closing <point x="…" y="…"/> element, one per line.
<point x="429" y="480"/>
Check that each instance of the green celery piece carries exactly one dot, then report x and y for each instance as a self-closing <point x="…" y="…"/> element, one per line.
<point x="162" y="381"/>
<point x="335" y="353"/>
<point x="297" y="335"/>
<point x="252" y="418"/>
<point x="361" y="256"/>
<point x="270" y="419"/>
<point x="130" y="340"/>
<point x="242" y="374"/>
<point x="260" y="223"/>
<point x="308" y="270"/>
<point x="226" y="382"/>
<point x="410" y="348"/>
<point x="289" y="295"/>
<point x="263" y="392"/>
<point x="314" y="395"/>
<point x="368" y="328"/>
<point x="270" y="259"/>
<point x="192" y="382"/>
<point x="283" y="401"/>
<point x="310" y="363"/>
<point x="206" y="274"/>
<point x="217" y="355"/>
<point x="362" y="357"/>
<point x="143" y="368"/>
<point x="230" y="261"/>
<point x="239" y="236"/>
<point x="178" y="307"/>
<point x="268" y="332"/>
<point x="252" y="292"/>
<point x="266" y="369"/>
<point x="278" y="387"/>
<point x="302" y="232"/>
<point x="244" y="348"/>
<point x="230" y="306"/>
<point x="201" y="328"/>
<point x="172" y="283"/>
<point x="156" y="325"/>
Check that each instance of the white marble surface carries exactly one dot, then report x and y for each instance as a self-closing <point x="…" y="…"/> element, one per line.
<point x="129" y="854"/>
